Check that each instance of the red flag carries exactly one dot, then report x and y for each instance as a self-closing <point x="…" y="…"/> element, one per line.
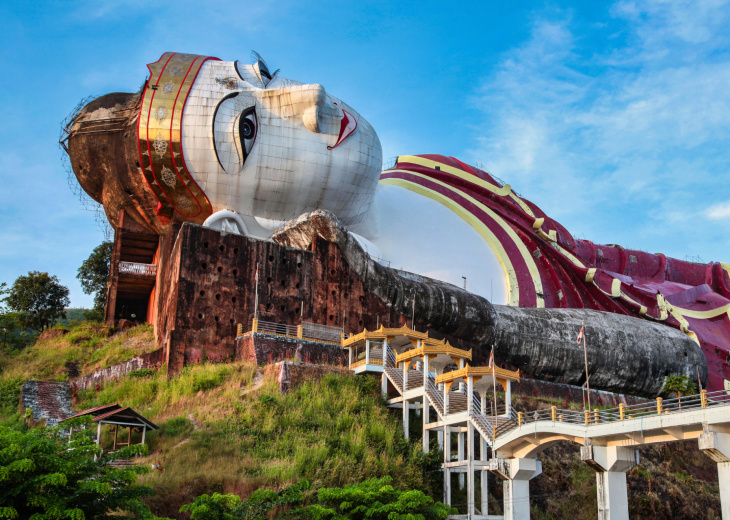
<point x="491" y="358"/>
<point x="580" y="335"/>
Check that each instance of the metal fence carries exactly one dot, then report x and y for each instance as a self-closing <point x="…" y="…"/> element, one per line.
<point x="277" y="328"/>
<point x="324" y="332"/>
<point x="138" y="269"/>
<point x="620" y="413"/>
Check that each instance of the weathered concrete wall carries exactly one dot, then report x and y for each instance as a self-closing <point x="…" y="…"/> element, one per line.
<point x="261" y="348"/>
<point x="625" y="354"/>
<point x="209" y="287"/>
<point x="291" y="374"/>
<point x="49" y="400"/>
<point x="150" y="360"/>
<point x="571" y="393"/>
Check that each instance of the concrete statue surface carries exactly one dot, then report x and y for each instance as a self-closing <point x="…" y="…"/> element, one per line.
<point x="240" y="149"/>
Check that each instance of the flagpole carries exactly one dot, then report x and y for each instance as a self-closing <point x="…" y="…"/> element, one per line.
<point x="494" y="394"/>
<point x="256" y="304"/>
<point x="585" y="353"/>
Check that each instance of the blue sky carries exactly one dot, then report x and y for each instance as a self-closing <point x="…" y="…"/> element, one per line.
<point x="612" y="117"/>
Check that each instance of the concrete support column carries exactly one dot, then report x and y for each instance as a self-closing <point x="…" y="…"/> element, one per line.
<point x="384" y="384"/>
<point x="447" y="386"/>
<point x="440" y="439"/>
<point x="716" y="445"/>
<point x="447" y="458"/>
<point x="508" y="398"/>
<point x="516" y="475"/>
<point x="349" y="357"/>
<point x="462" y="386"/>
<point x="611" y="464"/>
<point x="367" y="352"/>
<point x="470" y="484"/>
<point x="460" y="454"/>
<point x="406" y="416"/>
<point x="485" y="492"/>
<point x="426" y="408"/>
<point x="405" y="375"/>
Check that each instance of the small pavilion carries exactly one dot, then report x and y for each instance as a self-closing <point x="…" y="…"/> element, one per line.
<point x="116" y="416"/>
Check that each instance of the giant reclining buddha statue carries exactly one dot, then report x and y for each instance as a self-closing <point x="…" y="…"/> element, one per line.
<point x="233" y="146"/>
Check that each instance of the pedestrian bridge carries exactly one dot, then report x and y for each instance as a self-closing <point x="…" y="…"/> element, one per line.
<point x="495" y="438"/>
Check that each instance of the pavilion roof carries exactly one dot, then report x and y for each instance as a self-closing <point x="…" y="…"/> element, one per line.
<point x="434" y="347"/>
<point x="383" y="333"/>
<point x="115" y="414"/>
<point x="478" y="372"/>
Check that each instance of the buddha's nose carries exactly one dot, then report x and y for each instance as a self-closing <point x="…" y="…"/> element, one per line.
<point x="318" y="114"/>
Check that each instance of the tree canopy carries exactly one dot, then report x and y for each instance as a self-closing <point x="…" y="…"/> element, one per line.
<point x="46" y="476"/>
<point x="374" y="499"/>
<point x="39" y="299"/>
<point x="94" y="273"/>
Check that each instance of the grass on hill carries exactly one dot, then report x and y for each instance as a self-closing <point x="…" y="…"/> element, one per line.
<point x="218" y="433"/>
<point x="225" y="428"/>
<point x="84" y="349"/>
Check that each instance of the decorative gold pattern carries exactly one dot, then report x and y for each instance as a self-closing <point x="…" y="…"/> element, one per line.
<point x="478" y="372"/>
<point x="389" y="333"/>
<point x="160" y="134"/>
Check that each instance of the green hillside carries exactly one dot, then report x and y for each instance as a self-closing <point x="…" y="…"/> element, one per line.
<point x="226" y="428"/>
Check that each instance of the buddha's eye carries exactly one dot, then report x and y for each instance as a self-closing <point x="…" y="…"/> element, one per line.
<point x="234" y="130"/>
<point x="247" y="130"/>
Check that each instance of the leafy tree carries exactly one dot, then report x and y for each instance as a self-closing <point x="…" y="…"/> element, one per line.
<point x="39" y="300"/>
<point x="94" y="274"/>
<point x="376" y="499"/>
<point x="373" y="499"/>
<point x="45" y="476"/>
<point x="680" y="385"/>
<point x="3" y="292"/>
<point x="259" y="506"/>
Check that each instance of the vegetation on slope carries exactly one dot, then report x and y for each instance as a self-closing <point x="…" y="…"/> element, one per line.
<point x="219" y="434"/>
<point x="84" y="349"/>
<point x="225" y="428"/>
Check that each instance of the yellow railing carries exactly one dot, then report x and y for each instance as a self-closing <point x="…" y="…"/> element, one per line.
<point x="271" y="328"/>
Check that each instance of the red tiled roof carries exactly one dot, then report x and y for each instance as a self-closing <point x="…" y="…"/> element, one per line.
<point x="109" y="415"/>
<point x="97" y="410"/>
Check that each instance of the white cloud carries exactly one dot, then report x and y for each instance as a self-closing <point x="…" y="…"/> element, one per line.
<point x="719" y="211"/>
<point x="626" y="138"/>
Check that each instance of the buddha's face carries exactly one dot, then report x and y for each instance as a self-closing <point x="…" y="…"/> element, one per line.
<point x="270" y="147"/>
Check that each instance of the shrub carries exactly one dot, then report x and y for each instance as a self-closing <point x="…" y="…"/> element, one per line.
<point x="142" y="372"/>
<point x="44" y="474"/>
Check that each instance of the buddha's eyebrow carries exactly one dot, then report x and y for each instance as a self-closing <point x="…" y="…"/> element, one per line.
<point x="262" y="69"/>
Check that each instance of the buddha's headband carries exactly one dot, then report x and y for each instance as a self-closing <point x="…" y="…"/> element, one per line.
<point x="160" y="137"/>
